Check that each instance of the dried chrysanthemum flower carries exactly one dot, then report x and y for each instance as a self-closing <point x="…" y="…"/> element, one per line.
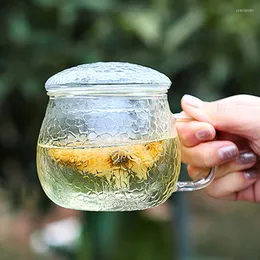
<point x="116" y="163"/>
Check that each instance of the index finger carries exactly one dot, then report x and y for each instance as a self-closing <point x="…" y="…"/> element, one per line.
<point x="191" y="133"/>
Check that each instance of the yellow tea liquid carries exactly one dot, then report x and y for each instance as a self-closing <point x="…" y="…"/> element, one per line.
<point x="123" y="177"/>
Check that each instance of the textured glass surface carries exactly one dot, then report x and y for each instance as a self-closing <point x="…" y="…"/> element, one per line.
<point x="108" y="152"/>
<point x="94" y="75"/>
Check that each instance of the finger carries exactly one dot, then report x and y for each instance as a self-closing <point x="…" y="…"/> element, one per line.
<point x="234" y="114"/>
<point x="251" y="194"/>
<point x="245" y="161"/>
<point x="228" y="186"/>
<point x="248" y="194"/>
<point x="241" y="142"/>
<point x="197" y="173"/>
<point x="209" y="154"/>
<point x="194" y="132"/>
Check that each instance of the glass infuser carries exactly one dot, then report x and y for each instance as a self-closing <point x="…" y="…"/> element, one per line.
<point x="108" y="141"/>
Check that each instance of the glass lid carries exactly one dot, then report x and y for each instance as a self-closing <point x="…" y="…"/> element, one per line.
<point x="108" y="76"/>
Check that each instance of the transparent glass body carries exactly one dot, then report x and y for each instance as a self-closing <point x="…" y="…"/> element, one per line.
<point x="108" y="152"/>
<point x="110" y="147"/>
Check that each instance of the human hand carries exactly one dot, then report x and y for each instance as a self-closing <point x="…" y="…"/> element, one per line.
<point x="234" y="148"/>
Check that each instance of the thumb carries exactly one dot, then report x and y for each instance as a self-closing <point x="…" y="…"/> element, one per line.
<point x="238" y="115"/>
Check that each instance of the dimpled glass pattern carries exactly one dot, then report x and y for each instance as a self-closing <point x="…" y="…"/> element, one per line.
<point x="105" y="121"/>
<point x="102" y="150"/>
<point x="109" y="74"/>
<point x="108" y="141"/>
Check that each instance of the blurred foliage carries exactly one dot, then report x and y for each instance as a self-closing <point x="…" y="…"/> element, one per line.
<point x="206" y="47"/>
<point x="208" y="44"/>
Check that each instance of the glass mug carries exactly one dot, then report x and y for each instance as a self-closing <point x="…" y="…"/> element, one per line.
<point x="108" y="141"/>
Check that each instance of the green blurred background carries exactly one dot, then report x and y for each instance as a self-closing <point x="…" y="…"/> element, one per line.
<point x="208" y="48"/>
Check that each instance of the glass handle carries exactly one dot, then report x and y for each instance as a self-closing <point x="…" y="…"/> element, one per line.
<point x="199" y="184"/>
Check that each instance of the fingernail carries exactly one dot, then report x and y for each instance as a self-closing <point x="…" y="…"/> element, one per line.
<point x="228" y="153"/>
<point x="192" y="101"/>
<point x="249" y="175"/>
<point x="246" y="157"/>
<point x="203" y="135"/>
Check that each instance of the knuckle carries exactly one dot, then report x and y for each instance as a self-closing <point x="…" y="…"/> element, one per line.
<point x="201" y="158"/>
<point x="192" y="171"/>
<point x="221" y="170"/>
<point x="238" y="180"/>
<point x="206" y="159"/>
<point x="221" y="107"/>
